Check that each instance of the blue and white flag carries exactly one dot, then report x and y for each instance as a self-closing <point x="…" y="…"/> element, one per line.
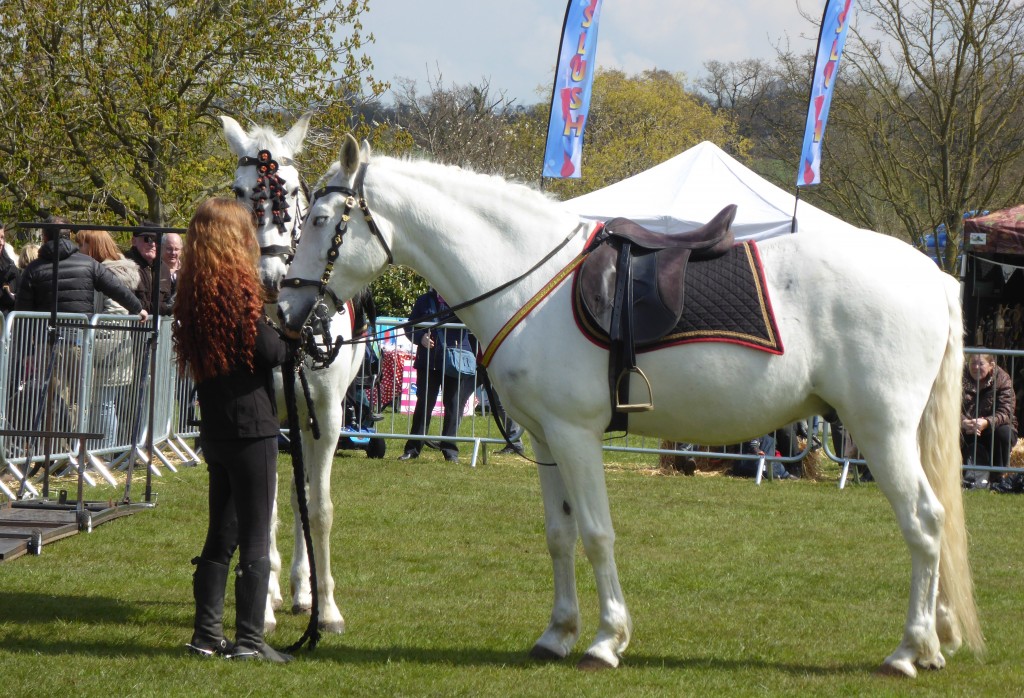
<point x="570" y="96"/>
<point x="834" y="24"/>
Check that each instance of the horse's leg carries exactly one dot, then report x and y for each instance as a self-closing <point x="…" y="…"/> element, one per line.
<point x="274" y="599"/>
<point x="318" y="455"/>
<point x="578" y="453"/>
<point x="321" y="519"/>
<point x="560" y="527"/>
<point x="891" y="452"/>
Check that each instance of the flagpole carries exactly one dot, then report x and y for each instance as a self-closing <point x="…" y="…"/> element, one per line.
<point x="796" y="200"/>
<point x="554" y="84"/>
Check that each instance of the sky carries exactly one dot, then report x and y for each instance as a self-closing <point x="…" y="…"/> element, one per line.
<point x="514" y="43"/>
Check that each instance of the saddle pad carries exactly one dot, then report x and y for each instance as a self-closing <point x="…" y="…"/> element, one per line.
<point x="726" y="301"/>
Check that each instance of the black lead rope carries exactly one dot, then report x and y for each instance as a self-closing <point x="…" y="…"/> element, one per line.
<point x="312" y="633"/>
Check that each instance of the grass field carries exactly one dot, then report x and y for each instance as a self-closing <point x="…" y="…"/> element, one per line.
<point x="790" y="588"/>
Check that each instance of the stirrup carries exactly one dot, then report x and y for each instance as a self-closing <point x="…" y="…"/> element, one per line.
<point x="637" y="406"/>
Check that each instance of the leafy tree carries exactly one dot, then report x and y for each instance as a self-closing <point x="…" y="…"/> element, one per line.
<point x="639" y="121"/>
<point x="107" y="108"/>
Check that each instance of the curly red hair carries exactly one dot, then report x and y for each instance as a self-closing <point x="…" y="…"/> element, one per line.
<point x="219" y="298"/>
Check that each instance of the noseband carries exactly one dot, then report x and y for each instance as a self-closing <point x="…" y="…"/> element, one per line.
<point x="270" y="186"/>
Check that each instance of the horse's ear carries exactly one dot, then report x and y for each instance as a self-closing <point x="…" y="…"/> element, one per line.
<point x="349" y="154"/>
<point x="364" y="151"/>
<point x="297" y="133"/>
<point x="235" y="135"/>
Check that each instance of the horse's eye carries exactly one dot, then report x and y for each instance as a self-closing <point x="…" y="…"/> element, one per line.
<point x="319" y="220"/>
<point x="238" y="192"/>
<point x="295" y="192"/>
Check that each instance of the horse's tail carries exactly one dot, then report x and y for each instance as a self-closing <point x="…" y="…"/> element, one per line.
<point x="938" y="437"/>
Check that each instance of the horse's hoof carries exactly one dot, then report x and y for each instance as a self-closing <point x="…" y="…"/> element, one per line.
<point x="900" y="668"/>
<point x="592" y="663"/>
<point x="301" y="610"/>
<point x="269" y="627"/>
<point x="336" y="627"/>
<point x="934" y="664"/>
<point x="543" y="654"/>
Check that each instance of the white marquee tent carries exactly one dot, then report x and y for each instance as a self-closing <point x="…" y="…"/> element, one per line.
<point x="686" y="191"/>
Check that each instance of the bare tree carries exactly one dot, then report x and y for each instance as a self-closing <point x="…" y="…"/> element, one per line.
<point x="926" y="122"/>
<point x="470" y="126"/>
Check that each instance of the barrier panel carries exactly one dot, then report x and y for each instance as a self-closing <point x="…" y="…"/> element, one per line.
<point x="100" y="386"/>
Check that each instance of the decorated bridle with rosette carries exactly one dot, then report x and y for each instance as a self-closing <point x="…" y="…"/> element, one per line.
<point x="270" y="187"/>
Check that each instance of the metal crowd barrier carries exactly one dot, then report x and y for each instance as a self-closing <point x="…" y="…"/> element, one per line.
<point x="99" y="386"/>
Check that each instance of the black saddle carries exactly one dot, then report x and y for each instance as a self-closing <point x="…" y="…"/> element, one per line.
<point x="631" y="286"/>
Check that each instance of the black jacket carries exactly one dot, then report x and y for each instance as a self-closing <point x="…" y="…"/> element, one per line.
<point x="144" y="292"/>
<point x="9" y="275"/>
<point x="78" y="278"/>
<point x="433" y="359"/>
<point x="241" y="404"/>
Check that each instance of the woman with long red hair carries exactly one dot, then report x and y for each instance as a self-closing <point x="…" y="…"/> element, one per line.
<point x="224" y="341"/>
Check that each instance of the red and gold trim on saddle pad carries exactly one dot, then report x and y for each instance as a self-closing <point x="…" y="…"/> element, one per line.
<point x="726" y="301"/>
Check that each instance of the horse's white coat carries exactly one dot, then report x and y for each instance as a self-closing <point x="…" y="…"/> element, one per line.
<point x="871" y="328"/>
<point x="327" y="386"/>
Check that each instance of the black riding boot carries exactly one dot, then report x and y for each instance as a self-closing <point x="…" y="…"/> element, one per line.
<point x="208" y="585"/>
<point x="251" y="581"/>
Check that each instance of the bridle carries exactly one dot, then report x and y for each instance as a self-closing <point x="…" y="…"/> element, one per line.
<point x="355" y="196"/>
<point x="270" y="186"/>
<point x="317" y="322"/>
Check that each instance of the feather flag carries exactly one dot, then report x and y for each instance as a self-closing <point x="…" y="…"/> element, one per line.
<point x="834" y="24"/>
<point x="570" y="95"/>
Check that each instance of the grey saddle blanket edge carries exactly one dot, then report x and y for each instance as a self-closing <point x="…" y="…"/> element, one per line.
<point x="726" y="301"/>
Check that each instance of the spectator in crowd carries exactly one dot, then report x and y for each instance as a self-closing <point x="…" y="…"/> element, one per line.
<point x="28" y="254"/>
<point x="113" y="365"/>
<point x="79" y="276"/>
<point x="143" y="253"/>
<point x="9" y="273"/>
<point x="988" y="423"/>
<point x="172" y="260"/>
<point x="430" y="345"/>
<point x="224" y="341"/>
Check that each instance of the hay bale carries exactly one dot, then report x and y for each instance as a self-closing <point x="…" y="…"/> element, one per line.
<point x="1017" y="454"/>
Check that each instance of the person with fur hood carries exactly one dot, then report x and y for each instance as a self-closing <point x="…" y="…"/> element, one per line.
<point x="113" y="360"/>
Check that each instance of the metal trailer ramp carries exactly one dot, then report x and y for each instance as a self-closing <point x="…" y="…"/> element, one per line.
<point x="26" y="526"/>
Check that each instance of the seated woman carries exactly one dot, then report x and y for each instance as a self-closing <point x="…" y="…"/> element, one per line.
<point x="988" y="425"/>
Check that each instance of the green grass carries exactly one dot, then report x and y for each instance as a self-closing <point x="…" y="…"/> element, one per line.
<point x="790" y="588"/>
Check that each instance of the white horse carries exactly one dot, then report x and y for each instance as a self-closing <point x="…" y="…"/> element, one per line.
<point x="871" y="329"/>
<point x="327" y="386"/>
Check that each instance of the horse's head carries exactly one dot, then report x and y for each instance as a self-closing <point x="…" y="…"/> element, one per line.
<point x="343" y="248"/>
<point x="266" y="180"/>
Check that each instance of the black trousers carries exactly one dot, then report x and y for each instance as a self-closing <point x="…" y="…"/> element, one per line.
<point x="243" y="483"/>
<point x="989" y="449"/>
<point x="454" y="393"/>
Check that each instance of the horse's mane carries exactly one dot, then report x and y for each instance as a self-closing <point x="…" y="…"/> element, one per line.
<point x="485" y="183"/>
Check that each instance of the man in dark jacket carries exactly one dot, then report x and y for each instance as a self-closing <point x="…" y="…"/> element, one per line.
<point x="9" y="274"/>
<point x="431" y="379"/>
<point x="143" y="253"/>
<point x="79" y="276"/>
